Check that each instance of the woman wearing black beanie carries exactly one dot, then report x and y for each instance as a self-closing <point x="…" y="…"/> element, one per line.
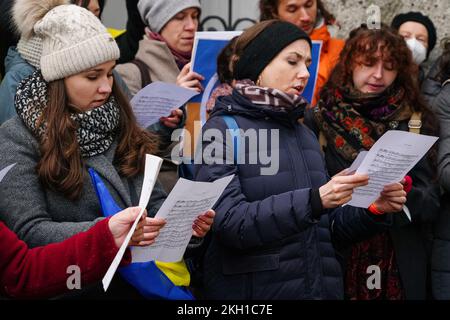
<point x="419" y="33"/>
<point x="277" y="222"/>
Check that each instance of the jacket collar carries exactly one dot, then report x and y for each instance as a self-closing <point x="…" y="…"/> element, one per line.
<point x="237" y="104"/>
<point x="322" y="33"/>
<point x="157" y="56"/>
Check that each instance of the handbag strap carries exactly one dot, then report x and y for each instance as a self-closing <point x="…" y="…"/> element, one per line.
<point x="233" y="128"/>
<point x="143" y="69"/>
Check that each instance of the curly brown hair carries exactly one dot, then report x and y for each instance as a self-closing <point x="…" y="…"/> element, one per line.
<point x="361" y="47"/>
<point x="61" y="166"/>
<point x="269" y="10"/>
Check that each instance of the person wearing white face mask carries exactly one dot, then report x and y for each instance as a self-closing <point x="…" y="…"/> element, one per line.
<point x="418" y="49"/>
<point x="419" y="33"/>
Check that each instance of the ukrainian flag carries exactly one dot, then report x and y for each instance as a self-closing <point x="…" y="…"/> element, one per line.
<point x="154" y="279"/>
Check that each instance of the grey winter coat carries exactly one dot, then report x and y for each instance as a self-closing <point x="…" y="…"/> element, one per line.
<point x="41" y="216"/>
<point x="159" y="60"/>
<point x="438" y="97"/>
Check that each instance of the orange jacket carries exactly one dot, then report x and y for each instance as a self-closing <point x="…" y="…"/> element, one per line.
<point x="331" y="48"/>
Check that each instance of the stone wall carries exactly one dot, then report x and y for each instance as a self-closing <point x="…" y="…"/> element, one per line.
<point x="351" y="13"/>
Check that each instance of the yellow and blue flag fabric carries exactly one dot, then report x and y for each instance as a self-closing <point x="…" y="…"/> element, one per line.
<point x="153" y="279"/>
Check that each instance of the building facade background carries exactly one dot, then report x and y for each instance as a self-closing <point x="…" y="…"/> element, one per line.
<point x="238" y="14"/>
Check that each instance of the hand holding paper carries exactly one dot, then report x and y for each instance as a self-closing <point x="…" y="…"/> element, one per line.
<point x="339" y="189"/>
<point x="152" y="167"/>
<point x="181" y="209"/>
<point x="392" y="198"/>
<point x="189" y="79"/>
<point x="387" y="162"/>
<point x="157" y="100"/>
<point x="173" y="120"/>
<point x="146" y="231"/>
<point x="203" y="224"/>
<point x="120" y="224"/>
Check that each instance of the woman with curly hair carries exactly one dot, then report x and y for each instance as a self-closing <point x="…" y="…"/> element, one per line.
<point x="373" y="90"/>
<point x="313" y="18"/>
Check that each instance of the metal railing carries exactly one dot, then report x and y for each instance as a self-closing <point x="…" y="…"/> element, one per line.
<point x="229" y="25"/>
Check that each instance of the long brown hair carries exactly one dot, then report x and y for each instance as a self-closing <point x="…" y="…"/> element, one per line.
<point x="361" y="47"/>
<point x="269" y="10"/>
<point x="61" y="167"/>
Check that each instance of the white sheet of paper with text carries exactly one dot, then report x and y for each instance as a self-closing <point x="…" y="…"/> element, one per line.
<point x="388" y="161"/>
<point x="359" y="159"/>
<point x="152" y="167"/>
<point x="157" y="99"/>
<point x="187" y="200"/>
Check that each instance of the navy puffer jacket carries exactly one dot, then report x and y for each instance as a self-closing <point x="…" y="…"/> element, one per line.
<point x="268" y="242"/>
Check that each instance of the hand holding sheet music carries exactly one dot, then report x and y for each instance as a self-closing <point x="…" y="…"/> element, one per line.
<point x="388" y="161"/>
<point x="152" y="167"/>
<point x="186" y="201"/>
<point x="157" y="100"/>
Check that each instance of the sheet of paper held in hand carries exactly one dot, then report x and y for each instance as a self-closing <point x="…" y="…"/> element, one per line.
<point x="152" y="167"/>
<point x="157" y="100"/>
<point x="389" y="161"/>
<point x="187" y="200"/>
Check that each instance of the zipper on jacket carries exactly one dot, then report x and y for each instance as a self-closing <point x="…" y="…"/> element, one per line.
<point x="317" y="238"/>
<point x="307" y="278"/>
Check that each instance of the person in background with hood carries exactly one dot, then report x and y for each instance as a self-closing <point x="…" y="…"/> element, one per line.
<point x="419" y="33"/>
<point x="313" y="18"/>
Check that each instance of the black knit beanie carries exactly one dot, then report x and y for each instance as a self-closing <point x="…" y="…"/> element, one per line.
<point x="419" y="18"/>
<point x="266" y="46"/>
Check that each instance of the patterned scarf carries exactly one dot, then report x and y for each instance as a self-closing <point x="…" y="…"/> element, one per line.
<point x="181" y="58"/>
<point x="96" y="128"/>
<point x="376" y="251"/>
<point x="353" y="121"/>
<point x="275" y="99"/>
